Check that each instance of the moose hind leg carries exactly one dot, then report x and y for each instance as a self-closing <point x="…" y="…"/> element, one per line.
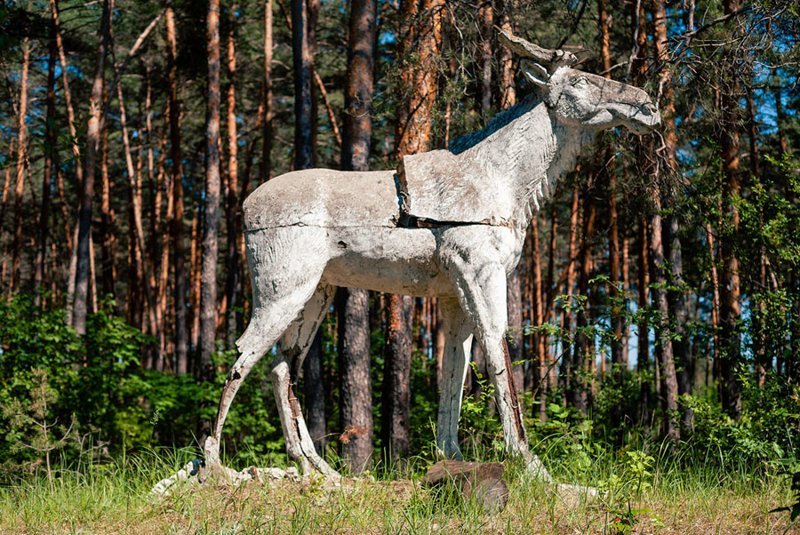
<point x="271" y="332"/>
<point x="282" y="285"/>
<point x="296" y="342"/>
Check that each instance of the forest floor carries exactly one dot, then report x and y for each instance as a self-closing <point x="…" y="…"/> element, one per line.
<point x="114" y="500"/>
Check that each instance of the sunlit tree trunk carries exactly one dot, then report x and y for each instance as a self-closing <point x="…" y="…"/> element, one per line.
<point x="21" y="166"/>
<point x="232" y="215"/>
<point x="539" y="358"/>
<point x="421" y="32"/>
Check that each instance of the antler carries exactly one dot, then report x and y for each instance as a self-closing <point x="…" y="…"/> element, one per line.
<point x="552" y="58"/>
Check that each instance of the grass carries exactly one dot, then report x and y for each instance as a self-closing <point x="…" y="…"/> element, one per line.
<point x="638" y="498"/>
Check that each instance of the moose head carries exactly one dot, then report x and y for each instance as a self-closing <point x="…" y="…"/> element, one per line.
<point x="582" y="99"/>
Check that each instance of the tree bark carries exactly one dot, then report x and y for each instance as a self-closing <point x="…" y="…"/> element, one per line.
<point x="232" y="216"/>
<point x="584" y="344"/>
<point x="175" y="208"/>
<point x="266" y="126"/>
<point x="508" y="90"/>
<point x="618" y="357"/>
<point x="395" y="408"/>
<point x="50" y="165"/>
<point x="669" y="306"/>
<point x="208" y="292"/>
<point x="420" y="31"/>
<point x="22" y="165"/>
<point x="664" y="334"/>
<point x="354" y="373"/>
<point x="4" y="196"/>
<point x="76" y="155"/>
<point x="303" y="64"/>
<point x="537" y="319"/>
<point x="485" y="21"/>
<point x="106" y="229"/>
<point x="730" y="292"/>
<point x="82" y="273"/>
<point x="567" y="328"/>
<point x="354" y="333"/>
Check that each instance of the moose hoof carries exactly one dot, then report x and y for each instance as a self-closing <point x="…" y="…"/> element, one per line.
<point x="211" y="451"/>
<point x="574" y="494"/>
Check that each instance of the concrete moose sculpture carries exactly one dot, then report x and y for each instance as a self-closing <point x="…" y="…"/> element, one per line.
<point x="449" y="223"/>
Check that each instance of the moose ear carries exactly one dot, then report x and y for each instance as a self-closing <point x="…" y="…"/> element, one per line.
<point x="536" y="74"/>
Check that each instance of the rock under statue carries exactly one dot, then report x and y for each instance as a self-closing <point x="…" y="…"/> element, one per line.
<point x="448" y="223"/>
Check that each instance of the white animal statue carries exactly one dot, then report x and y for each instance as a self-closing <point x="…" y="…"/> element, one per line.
<point x="449" y="223"/>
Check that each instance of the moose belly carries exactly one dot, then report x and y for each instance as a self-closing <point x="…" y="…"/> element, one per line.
<point x="394" y="260"/>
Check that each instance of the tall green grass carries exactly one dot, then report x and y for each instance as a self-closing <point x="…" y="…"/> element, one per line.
<point x="641" y="491"/>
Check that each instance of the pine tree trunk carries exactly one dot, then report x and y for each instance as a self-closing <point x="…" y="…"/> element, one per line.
<point x="508" y="91"/>
<point x="584" y="344"/>
<point x="672" y="311"/>
<point x="232" y="216"/>
<point x="176" y="221"/>
<point x="303" y="63"/>
<point x="76" y="155"/>
<point x="266" y="128"/>
<point x="550" y="294"/>
<point x="210" y="253"/>
<point x="485" y="20"/>
<point x="643" y="326"/>
<point x="354" y="346"/>
<point x="396" y="405"/>
<point x="540" y="339"/>
<point x="141" y="272"/>
<point x="730" y="292"/>
<point x="21" y="167"/>
<point x="83" y="267"/>
<point x="567" y="327"/>
<point x="4" y="196"/>
<point x="106" y="228"/>
<point x="618" y="357"/>
<point x="663" y="331"/>
<point x="48" y="172"/>
<point x="421" y="32"/>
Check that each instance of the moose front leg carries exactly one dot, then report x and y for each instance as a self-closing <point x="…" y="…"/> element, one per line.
<point x="480" y="282"/>
<point x="458" y="341"/>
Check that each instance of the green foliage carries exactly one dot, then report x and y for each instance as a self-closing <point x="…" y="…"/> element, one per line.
<point x="93" y="390"/>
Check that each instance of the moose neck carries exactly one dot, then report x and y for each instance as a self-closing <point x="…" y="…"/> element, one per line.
<point x="528" y="155"/>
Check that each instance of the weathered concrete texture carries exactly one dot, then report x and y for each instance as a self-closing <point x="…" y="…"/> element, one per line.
<point x="450" y="224"/>
<point x="324" y="198"/>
